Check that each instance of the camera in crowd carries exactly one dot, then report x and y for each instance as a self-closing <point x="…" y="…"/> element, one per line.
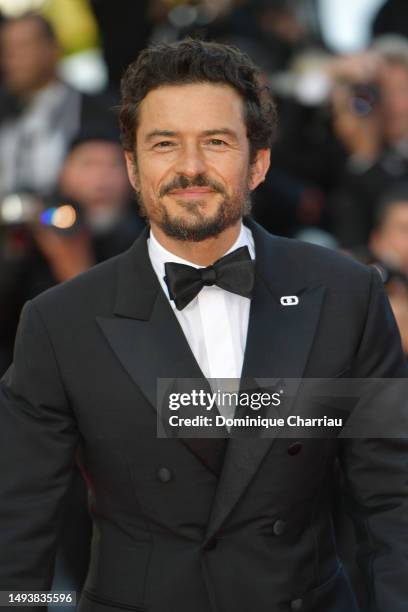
<point x="25" y="209"/>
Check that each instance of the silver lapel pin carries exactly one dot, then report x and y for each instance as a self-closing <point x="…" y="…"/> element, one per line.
<point x="289" y="300"/>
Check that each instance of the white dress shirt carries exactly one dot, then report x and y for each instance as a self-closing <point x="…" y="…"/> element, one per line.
<point x="215" y="322"/>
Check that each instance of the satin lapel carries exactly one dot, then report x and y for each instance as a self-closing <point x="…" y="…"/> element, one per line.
<point x="151" y="349"/>
<point x="278" y="344"/>
<point x="145" y="335"/>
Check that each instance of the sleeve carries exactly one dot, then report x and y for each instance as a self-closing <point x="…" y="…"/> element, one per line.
<point x="38" y="439"/>
<point x="376" y="470"/>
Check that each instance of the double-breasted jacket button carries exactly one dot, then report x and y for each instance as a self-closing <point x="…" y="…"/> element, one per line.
<point x="295" y="448"/>
<point x="164" y="474"/>
<point x="279" y="527"/>
<point x="296" y="605"/>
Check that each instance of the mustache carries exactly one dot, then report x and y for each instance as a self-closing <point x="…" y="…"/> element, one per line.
<point x="183" y="182"/>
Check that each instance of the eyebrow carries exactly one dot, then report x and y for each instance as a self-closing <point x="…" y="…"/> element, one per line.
<point x="155" y="133"/>
<point x="171" y="134"/>
<point x="225" y="131"/>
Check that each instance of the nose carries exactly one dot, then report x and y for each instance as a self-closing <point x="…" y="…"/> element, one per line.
<point x="191" y="161"/>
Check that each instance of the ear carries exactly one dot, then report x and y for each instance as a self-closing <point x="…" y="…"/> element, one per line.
<point x="259" y="168"/>
<point x="131" y="170"/>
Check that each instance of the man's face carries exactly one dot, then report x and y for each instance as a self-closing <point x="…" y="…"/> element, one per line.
<point x="27" y="57"/>
<point x="390" y="243"/>
<point x="394" y="95"/>
<point x="192" y="172"/>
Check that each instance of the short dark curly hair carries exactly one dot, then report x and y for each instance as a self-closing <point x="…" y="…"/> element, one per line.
<point x="196" y="61"/>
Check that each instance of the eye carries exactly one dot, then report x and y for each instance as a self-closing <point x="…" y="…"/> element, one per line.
<point x="217" y="142"/>
<point x="164" y="144"/>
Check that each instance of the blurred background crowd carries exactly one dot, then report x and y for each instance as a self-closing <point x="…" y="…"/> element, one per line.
<point x="339" y="176"/>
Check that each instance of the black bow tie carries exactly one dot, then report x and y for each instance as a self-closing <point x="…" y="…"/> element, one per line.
<point x="234" y="272"/>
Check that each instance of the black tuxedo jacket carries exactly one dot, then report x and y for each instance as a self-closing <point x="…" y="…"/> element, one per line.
<point x="172" y="532"/>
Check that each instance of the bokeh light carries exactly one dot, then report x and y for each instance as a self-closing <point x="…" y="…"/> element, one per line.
<point x="11" y="208"/>
<point x="13" y="8"/>
<point x="61" y="217"/>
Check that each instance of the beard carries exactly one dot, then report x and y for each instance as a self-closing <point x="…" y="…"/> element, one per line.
<point x="197" y="226"/>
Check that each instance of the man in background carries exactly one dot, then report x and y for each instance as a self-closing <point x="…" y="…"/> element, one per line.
<point x="370" y="107"/>
<point x="36" y="256"/>
<point x="39" y="113"/>
<point x="389" y="249"/>
<point x="389" y="238"/>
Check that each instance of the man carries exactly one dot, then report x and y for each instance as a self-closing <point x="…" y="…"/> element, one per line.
<point x="370" y="109"/>
<point x="39" y="113"/>
<point x="188" y="523"/>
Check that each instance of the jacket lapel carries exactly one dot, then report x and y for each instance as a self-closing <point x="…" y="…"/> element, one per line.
<point x="278" y="343"/>
<point x="147" y="339"/>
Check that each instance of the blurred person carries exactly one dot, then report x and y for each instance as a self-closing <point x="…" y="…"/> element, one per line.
<point x="35" y="257"/>
<point x="370" y="115"/>
<point x="94" y="176"/>
<point x="389" y="237"/>
<point x="39" y="113"/>
<point x="387" y="251"/>
<point x="388" y="244"/>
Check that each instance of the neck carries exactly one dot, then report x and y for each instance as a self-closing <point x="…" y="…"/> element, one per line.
<point x="203" y="253"/>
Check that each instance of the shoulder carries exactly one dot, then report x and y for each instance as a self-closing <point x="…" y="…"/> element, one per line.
<point x="90" y="291"/>
<point x="304" y="263"/>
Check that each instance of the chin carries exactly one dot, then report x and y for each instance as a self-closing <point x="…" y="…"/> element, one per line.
<point x="196" y="230"/>
<point x="196" y="206"/>
<point x="194" y="217"/>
